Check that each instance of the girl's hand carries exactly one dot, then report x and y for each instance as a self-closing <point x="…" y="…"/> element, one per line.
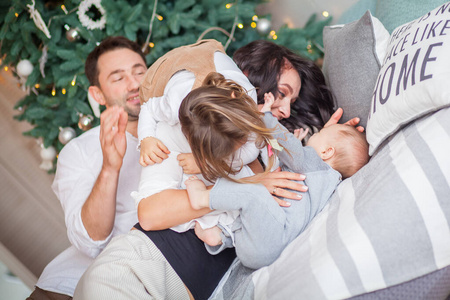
<point x="269" y="100"/>
<point x="277" y="183"/>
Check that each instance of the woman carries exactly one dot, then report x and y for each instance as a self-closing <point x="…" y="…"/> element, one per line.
<point x="262" y="62"/>
<point x="161" y="263"/>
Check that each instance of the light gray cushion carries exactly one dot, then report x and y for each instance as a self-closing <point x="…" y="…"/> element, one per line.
<point x="351" y="64"/>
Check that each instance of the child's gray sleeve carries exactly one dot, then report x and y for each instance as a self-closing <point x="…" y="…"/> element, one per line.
<point x="294" y="156"/>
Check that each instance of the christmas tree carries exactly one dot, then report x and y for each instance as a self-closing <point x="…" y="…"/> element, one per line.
<point x="46" y="43"/>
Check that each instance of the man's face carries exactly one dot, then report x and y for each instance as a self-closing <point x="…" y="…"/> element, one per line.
<point x="120" y="74"/>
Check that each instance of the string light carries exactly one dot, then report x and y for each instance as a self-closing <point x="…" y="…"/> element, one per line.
<point x="325" y="14"/>
<point x="74" y="80"/>
<point x="37" y="85"/>
<point x="255" y="18"/>
<point x="253" y="24"/>
<point x="17" y="15"/>
<point x="63" y="91"/>
<point x="53" y="91"/>
<point x="6" y="68"/>
<point x="150" y="28"/>
<point x="159" y="17"/>
<point x="240" y="25"/>
<point x="229" y="5"/>
<point x="273" y="35"/>
<point x="151" y="45"/>
<point x="63" y="7"/>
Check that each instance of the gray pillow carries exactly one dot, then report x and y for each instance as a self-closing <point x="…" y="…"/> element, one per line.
<point x="351" y="64"/>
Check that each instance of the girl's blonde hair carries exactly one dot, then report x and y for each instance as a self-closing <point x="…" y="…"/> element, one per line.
<point x="216" y="118"/>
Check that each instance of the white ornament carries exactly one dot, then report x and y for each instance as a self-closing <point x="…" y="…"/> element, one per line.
<point x="66" y="134"/>
<point x="36" y="16"/>
<point x="43" y="60"/>
<point x="47" y="155"/>
<point x="85" y="20"/>
<point x="263" y="26"/>
<point x="24" y="68"/>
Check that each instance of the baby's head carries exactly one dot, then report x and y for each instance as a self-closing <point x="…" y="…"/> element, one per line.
<point x="343" y="147"/>
<point x="217" y="119"/>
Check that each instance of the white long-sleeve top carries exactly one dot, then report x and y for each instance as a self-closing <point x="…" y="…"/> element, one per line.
<point x="159" y="118"/>
<point x="79" y="164"/>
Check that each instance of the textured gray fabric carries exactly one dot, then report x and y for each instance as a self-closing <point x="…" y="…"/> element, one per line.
<point x="433" y="286"/>
<point x="351" y="66"/>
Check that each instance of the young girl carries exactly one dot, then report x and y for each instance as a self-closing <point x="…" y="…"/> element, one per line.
<point x="164" y="86"/>
<point x="263" y="228"/>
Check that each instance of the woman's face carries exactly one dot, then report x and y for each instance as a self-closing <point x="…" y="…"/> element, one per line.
<point x="288" y="89"/>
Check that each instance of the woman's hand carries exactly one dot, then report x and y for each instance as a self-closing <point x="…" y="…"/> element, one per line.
<point x="337" y="116"/>
<point x="277" y="183"/>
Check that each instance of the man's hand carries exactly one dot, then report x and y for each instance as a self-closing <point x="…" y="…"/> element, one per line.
<point x="98" y="212"/>
<point x="337" y="116"/>
<point x="187" y="162"/>
<point x="113" y="123"/>
<point x="153" y="151"/>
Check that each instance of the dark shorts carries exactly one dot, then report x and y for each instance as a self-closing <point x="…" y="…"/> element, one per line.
<point x="199" y="270"/>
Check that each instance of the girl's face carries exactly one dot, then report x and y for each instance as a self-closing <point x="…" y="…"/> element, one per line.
<point x="289" y="87"/>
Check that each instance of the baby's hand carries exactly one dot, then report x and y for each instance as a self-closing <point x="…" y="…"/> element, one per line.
<point x="210" y="236"/>
<point x="153" y="151"/>
<point x="187" y="162"/>
<point x="301" y="133"/>
<point x="269" y="99"/>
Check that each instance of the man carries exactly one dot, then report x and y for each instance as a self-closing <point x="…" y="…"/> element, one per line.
<point x="98" y="170"/>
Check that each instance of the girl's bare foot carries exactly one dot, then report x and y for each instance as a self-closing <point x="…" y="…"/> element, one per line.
<point x="210" y="236"/>
<point x="197" y="192"/>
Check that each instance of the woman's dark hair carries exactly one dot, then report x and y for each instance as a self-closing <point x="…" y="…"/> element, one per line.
<point x="109" y="44"/>
<point x="263" y="62"/>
